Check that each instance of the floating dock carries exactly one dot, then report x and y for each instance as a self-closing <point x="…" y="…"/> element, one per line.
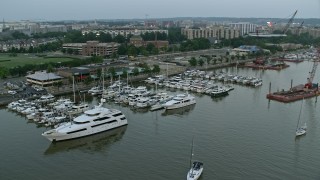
<point x="295" y="94"/>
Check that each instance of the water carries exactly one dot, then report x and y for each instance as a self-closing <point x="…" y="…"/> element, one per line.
<point x="241" y="136"/>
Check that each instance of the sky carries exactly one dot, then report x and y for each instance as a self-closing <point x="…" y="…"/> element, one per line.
<point x="52" y="10"/>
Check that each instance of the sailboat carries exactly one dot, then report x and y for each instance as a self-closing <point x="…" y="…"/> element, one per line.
<point x="196" y="167"/>
<point x="303" y="129"/>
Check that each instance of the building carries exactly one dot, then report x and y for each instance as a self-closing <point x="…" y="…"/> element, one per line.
<point x="43" y="78"/>
<point x="99" y="49"/>
<point x="125" y="32"/>
<point x="80" y="73"/>
<point x="218" y="32"/>
<point x="92" y="48"/>
<point x="138" y="42"/>
<point x="158" y="44"/>
<point x="244" y="27"/>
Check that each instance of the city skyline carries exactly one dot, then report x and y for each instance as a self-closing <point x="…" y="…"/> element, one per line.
<point x="141" y="9"/>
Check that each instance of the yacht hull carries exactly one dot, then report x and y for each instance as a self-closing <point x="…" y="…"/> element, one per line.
<point x="54" y="136"/>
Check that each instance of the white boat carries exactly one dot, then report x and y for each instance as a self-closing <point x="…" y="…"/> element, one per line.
<point x="180" y="100"/>
<point x="196" y="168"/>
<point x="156" y="107"/>
<point x="46" y="98"/>
<point x="142" y="102"/>
<point x="80" y="108"/>
<point x="217" y="92"/>
<point x="303" y="129"/>
<point x="96" y="120"/>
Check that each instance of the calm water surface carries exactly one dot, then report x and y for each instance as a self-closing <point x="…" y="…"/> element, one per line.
<point x="241" y="136"/>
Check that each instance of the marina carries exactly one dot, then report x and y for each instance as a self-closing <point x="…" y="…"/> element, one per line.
<point x="238" y="131"/>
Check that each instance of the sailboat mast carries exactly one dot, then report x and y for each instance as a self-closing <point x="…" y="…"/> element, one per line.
<point x="119" y="84"/>
<point x="191" y="153"/>
<point x="102" y="80"/>
<point x="74" y="92"/>
<point x="300" y="114"/>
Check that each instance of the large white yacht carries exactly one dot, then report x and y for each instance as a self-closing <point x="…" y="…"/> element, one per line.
<point x="92" y="121"/>
<point x="180" y="100"/>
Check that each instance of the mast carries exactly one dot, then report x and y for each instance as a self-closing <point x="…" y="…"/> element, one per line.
<point x="127" y="78"/>
<point x="119" y="84"/>
<point x="74" y="92"/>
<point x="299" y="114"/>
<point x="191" y="153"/>
<point x="102" y="80"/>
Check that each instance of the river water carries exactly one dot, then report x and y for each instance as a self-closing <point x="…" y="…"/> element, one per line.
<point x="241" y="136"/>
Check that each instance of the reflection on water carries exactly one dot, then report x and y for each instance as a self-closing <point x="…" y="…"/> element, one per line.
<point x="97" y="142"/>
<point x="180" y="111"/>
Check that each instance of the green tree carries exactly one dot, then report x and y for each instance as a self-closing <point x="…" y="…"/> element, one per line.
<point x="4" y="72"/>
<point x="132" y="51"/>
<point x="124" y="73"/>
<point x="88" y="80"/>
<point x="112" y="71"/>
<point x="122" y="50"/>
<point x="150" y="47"/>
<point x="201" y="62"/>
<point x="50" y="68"/>
<point x="193" y="61"/>
<point x="135" y="71"/>
<point x="156" y="68"/>
<point x="119" y="38"/>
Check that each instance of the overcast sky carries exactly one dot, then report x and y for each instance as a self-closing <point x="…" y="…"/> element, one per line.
<point x="129" y="9"/>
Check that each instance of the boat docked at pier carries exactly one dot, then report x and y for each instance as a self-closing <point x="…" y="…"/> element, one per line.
<point x="93" y="121"/>
<point x="180" y="100"/>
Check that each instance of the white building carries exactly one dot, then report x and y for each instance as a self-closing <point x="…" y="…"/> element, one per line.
<point x="125" y="32"/>
<point x="217" y="32"/>
<point x="244" y="27"/>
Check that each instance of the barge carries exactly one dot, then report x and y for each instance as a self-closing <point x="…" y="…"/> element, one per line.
<point x="294" y="94"/>
<point x="269" y="67"/>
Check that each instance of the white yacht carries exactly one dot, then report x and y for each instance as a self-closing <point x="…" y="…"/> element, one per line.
<point x="180" y="100"/>
<point x="92" y="121"/>
<point x="80" y="108"/>
<point x="46" y="98"/>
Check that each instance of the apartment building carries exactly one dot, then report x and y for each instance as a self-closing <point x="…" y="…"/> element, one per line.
<point x="244" y="27"/>
<point x="218" y="32"/>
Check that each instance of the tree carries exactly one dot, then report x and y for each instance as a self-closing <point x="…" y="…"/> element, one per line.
<point x="88" y="80"/>
<point x="4" y="72"/>
<point x="105" y="37"/>
<point x="119" y="38"/>
<point x="112" y="71"/>
<point x="50" y="68"/>
<point x="201" y="62"/>
<point x="193" y="61"/>
<point x="135" y="71"/>
<point x="156" y="68"/>
<point x="124" y="73"/>
<point x="150" y="47"/>
<point x="114" y="55"/>
<point x="132" y="51"/>
<point x="146" y="68"/>
<point x="122" y="50"/>
<point x="99" y="73"/>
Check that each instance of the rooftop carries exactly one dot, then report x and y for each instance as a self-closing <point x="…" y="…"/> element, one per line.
<point x="41" y="76"/>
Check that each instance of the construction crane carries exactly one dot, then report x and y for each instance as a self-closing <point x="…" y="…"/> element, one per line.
<point x="285" y="29"/>
<point x="299" y="28"/>
<point x="313" y="71"/>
